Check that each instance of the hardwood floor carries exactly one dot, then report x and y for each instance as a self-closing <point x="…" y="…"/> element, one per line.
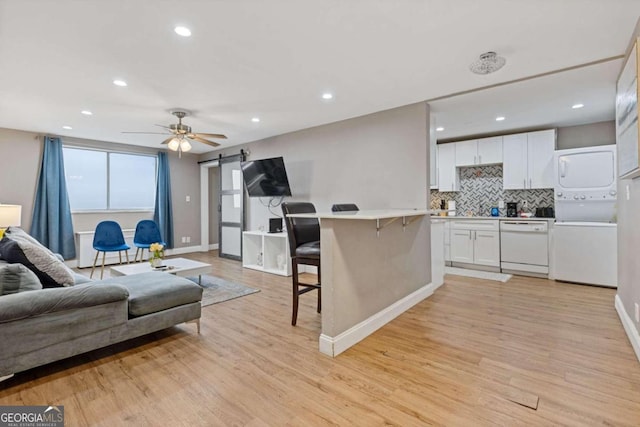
<point x="477" y="352"/>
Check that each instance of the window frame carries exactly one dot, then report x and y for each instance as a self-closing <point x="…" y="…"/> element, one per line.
<point x="108" y="194"/>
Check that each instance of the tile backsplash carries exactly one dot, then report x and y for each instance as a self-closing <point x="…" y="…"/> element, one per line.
<point x="481" y="189"/>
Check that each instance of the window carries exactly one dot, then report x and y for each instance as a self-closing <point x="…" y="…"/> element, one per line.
<point x="102" y="180"/>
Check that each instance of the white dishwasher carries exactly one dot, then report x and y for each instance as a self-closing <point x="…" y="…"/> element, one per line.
<point x="524" y="247"/>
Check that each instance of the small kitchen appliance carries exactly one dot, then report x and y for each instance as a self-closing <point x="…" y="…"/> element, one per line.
<point x="546" y="212"/>
<point x="512" y="209"/>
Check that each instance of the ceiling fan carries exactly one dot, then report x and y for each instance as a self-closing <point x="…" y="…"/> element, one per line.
<point x="181" y="133"/>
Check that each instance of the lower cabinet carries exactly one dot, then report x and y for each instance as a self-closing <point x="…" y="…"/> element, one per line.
<point x="268" y="252"/>
<point x="475" y="242"/>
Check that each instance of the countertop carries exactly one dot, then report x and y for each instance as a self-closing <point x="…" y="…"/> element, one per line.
<point x="501" y="218"/>
<point x="368" y="214"/>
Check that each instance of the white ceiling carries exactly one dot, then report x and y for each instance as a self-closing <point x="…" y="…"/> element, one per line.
<point x="273" y="59"/>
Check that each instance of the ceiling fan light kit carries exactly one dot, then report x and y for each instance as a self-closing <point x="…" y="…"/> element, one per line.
<point x="488" y="62"/>
<point x="181" y="134"/>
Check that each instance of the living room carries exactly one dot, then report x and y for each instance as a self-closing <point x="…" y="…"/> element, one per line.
<point x="447" y="360"/>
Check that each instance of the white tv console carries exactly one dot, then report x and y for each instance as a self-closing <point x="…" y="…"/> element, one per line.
<point x="261" y="251"/>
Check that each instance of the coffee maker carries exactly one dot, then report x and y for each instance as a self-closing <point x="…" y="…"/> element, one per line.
<point x="512" y="210"/>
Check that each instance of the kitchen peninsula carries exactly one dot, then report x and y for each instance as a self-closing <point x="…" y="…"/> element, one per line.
<point x="375" y="265"/>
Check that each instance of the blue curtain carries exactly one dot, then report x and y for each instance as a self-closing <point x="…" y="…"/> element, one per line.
<point x="51" y="223"/>
<point x="163" y="215"/>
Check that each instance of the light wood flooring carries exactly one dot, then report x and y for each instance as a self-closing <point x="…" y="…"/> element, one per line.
<point x="476" y="353"/>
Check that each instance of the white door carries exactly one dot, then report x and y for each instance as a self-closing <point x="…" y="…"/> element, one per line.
<point x="447" y="174"/>
<point x="466" y="153"/>
<point x="486" y="248"/>
<point x="514" y="150"/>
<point x="490" y="150"/>
<point x="231" y="207"/>
<point x="461" y="246"/>
<point x="540" y="158"/>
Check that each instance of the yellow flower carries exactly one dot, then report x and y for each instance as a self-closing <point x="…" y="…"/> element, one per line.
<point x="156" y="247"/>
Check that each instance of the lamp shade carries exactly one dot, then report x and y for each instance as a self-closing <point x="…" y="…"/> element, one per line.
<point x="10" y="215"/>
<point x="174" y="144"/>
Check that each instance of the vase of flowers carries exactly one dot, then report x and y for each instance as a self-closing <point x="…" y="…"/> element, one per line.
<point x="157" y="252"/>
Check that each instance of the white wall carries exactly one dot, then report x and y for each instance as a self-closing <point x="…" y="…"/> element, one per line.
<point x="589" y="135"/>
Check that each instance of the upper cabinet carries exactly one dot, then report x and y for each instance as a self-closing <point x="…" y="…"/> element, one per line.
<point x="476" y="152"/>
<point x="528" y="160"/>
<point x="448" y="179"/>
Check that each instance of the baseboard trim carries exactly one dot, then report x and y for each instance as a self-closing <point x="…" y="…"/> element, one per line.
<point x="214" y="247"/>
<point x="333" y="346"/>
<point x="629" y="327"/>
<point x="185" y="250"/>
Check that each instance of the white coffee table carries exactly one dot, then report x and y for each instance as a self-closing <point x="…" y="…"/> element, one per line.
<point x="179" y="266"/>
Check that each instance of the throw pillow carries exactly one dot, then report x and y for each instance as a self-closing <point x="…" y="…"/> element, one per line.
<point x="37" y="258"/>
<point x="16" y="278"/>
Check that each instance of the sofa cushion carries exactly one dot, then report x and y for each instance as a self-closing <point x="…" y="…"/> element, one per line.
<point x="156" y="291"/>
<point x="37" y="258"/>
<point x="29" y="304"/>
<point x="16" y="278"/>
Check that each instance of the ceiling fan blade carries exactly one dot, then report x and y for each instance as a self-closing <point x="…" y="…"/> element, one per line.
<point x="163" y="126"/>
<point x="150" y="133"/>
<point x="211" y="135"/>
<point x="166" y="141"/>
<point x="204" y="141"/>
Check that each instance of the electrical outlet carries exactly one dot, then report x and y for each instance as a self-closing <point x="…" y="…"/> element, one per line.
<point x="637" y="313"/>
<point x="501" y="204"/>
<point x="188" y="239"/>
<point x="188" y="198"/>
<point x="184" y="239"/>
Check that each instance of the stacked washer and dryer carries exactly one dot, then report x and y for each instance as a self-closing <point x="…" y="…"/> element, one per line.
<point x="585" y="234"/>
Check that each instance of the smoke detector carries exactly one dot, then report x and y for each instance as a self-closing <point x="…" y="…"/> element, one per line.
<point x="487" y="63"/>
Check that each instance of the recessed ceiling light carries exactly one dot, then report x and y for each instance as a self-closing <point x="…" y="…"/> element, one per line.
<point x="255" y="119"/>
<point x="67" y="127"/>
<point x="182" y="31"/>
<point x="499" y="118"/>
<point x="439" y="129"/>
<point x="576" y="106"/>
<point x="327" y="95"/>
<point x="86" y="112"/>
<point x="121" y="83"/>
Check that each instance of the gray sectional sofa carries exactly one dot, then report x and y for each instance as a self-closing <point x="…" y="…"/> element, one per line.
<point x="45" y="325"/>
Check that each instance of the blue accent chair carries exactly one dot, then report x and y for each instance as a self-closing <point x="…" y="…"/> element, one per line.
<point x="108" y="238"/>
<point x="147" y="232"/>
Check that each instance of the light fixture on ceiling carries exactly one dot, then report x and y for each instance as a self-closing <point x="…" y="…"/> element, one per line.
<point x="487" y="63"/>
<point x="86" y="112"/>
<point x="67" y="127"/>
<point x="327" y="96"/>
<point x="576" y="106"/>
<point x="439" y="129"/>
<point x="256" y="120"/>
<point x="180" y="144"/>
<point x="182" y="31"/>
<point x="500" y="118"/>
<point x="120" y="83"/>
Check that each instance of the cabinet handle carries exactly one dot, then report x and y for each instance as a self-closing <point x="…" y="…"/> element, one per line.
<point x="452" y="186"/>
<point x="479" y="159"/>
<point x="469" y="235"/>
<point x="524" y="183"/>
<point x="475" y="160"/>
<point x="475" y="235"/>
<point x="530" y="186"/>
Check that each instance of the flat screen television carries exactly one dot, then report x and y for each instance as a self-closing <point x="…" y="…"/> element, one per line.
<point x="266" y="178"/>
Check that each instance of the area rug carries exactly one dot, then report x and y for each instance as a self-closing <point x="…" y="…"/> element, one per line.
<point x="219" y="290"/>
<point x="488" y="275"/>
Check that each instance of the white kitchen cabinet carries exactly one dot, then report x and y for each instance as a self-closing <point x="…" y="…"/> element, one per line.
<point x="466" y="152"/>
<point x="447" y="174"/>
<point x="447" y="242"/>
<point x="528" y="160"/>
<point x="475" y="242"/>
<point x="478" y="152"/>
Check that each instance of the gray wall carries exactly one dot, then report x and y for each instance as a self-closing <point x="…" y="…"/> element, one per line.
<point x="601" y="133"/>
<point x="19" y="178"/>
<point x="376" y="161"/>
<point x="629" y="239"/>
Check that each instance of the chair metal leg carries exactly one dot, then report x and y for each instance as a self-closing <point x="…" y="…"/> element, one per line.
<point x="95" y="260"/>
<point x="135" y="257"/>
<point x="319" y="292"/>
<point x="126" y="253"/>
<point x="104" y="254"/>
<point x="294" y="316"/>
